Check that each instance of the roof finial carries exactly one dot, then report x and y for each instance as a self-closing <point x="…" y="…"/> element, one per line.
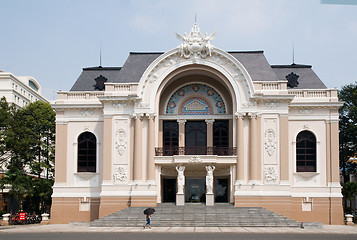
<point x="100" y="55"/>
<point x="293" y="53"/>
<point x="195" y="18"/>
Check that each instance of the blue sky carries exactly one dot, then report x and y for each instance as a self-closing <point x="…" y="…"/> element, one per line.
<point x="53" y="40"/>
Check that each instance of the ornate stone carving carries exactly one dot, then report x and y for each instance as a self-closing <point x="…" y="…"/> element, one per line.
<point x="251" y="103"/>
<point x="194" y="159"/>
<point x="180" y="179"/>
<point x="306" y="111"/>
<point x="271" y="175"/>
<point x="87" y="112"/>
<point x="270" y="141"/>
<point x="209" y="179"/>
<point x="120" y="105"/>
<point x="141" y="105"/>
<point x="195" y="44"/>
<point x="120" y="175"/>
<point x="272" y="104"/>
<point x="120" y="141"/>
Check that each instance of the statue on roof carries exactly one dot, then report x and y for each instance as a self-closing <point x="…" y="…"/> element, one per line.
<point x="195" y="44"/>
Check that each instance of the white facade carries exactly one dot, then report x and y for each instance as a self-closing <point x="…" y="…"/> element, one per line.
<point x="141" y="162"/>
<point x="20" y="90"/>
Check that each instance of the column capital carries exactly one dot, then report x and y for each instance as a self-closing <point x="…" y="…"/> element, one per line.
<point x="151" y="115"/>
<point x="137" y="116"/>
<point x="240" y="115"/>
<point x="209" y="121"/>
<point x="181" y="121"/>
<point x="253" y="115"/>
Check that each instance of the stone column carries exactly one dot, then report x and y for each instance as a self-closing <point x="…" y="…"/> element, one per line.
<point x="138" y="173"/>
<point x="107" y="148"/>
<point x="328" y="153"/>
<point x="209" y="185"/>
<point x="151" y="148"/>
<point x="209" y="123"/>
<point x="284" y="148"/>
<point x="61" y="153"/>
<point x="180" y="195"/>
<point x="240" y="146"/>
<point x="335" y="177"/>
<point x="181" y="123"/>
<point x="253" y="151"/>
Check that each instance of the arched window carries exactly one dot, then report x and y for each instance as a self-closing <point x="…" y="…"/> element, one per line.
<point x="87" y="152"/>
<point x="305" y="152"/>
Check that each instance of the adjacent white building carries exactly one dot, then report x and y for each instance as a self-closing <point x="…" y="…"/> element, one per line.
<point x="20" y="90"/>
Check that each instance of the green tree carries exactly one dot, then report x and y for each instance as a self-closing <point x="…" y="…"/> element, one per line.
<point x="349" y="190"/>
<point x="5" y="119"/>
<point x="30" y="140"/>
<point x="348" y="129"/>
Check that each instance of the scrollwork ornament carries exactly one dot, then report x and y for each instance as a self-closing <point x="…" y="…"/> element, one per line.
<point x="120" y="141"/>
<point x="270" y="141"/>
<point x="120" y="175"/>
<point x="270" y="175"/>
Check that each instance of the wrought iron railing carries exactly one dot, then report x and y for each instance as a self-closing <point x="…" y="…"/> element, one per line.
<point x="195" y="150"/>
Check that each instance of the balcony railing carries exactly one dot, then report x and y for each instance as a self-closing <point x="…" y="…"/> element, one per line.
<point x="195" y="150"/>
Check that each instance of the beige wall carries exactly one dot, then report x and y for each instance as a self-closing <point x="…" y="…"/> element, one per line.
<point x="65" y="210"/>
<point x="61" y="153"/>
<point x="292" y="208"/>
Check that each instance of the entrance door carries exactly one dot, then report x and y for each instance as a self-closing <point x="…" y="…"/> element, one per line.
<point x="195" y="190"/>
<point x="169" y="190"/>
<point x="221" y="190"/>
<point x="196" y="137"/>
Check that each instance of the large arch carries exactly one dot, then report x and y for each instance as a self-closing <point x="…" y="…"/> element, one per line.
<point x="223" y="66"/>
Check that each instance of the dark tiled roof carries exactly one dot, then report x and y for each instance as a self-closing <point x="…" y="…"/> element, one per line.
<point x="256" y="64"/>
<point x="254" y="61"/>
<point x="86" y="81"/>
<point x="135" y="66"/>
<point x="307" y="77"/>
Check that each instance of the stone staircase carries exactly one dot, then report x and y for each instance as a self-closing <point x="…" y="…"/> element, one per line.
<point x="197" y="215"/>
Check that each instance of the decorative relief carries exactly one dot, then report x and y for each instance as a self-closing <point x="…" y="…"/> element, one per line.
<point x="206" y="91"/>
<point x="87" y="113"/>
<point x="271" y="175"/>
<point x="141" y="105"/>
<point x="306" y="177"/>
<point x="195" y="44"/>
<point x="120" y="141"/>
<point x="120" y="175"/>
<point x="194" y="159"/>
<point x="251" y="103"/>
<point x="306" y="111"/>
<point x="120" y="106"/>
<point x="270" y="141"/>
<point x="272" y="104"/>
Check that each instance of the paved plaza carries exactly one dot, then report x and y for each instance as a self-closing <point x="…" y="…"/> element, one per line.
<point x="85" y="228"/>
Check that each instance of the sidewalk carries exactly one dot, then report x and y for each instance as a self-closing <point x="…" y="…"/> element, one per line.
<point x="84" y="227"/>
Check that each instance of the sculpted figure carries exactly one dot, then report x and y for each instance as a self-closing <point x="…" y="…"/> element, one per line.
<point x="180" y="179"/>
<point x="209" y="179"/>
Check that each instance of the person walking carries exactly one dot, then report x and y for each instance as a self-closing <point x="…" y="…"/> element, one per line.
<point x="148" y="221"/>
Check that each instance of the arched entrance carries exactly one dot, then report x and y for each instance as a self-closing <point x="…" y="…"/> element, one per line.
<point x="196" y="131"/>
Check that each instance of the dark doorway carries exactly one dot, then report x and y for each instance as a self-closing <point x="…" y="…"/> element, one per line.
<point x="169" y="190"/>
<point x="221" y="190"/>
<point x="195" y="190"/>
<point x="196" y="137"/>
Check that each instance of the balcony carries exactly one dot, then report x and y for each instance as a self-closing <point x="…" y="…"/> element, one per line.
<point x="195" y="150"/>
